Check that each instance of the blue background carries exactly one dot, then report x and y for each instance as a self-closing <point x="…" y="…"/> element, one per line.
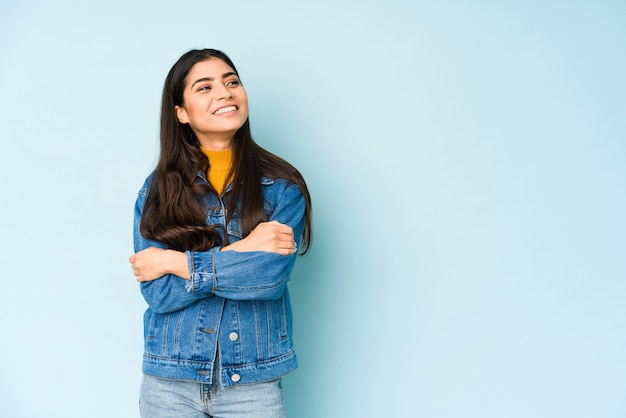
<point x="467" y="162"/>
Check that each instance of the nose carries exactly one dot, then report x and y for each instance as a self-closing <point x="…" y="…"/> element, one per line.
<point x="223" y="93"/>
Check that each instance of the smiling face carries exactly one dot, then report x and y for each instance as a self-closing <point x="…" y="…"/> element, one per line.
<point x="215" y="104"/>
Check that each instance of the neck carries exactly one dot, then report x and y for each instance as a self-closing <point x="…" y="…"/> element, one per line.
<point x="216" y="143"/>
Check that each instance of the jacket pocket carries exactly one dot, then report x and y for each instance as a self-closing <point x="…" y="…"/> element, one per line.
<point x="163" y="332"/>
<point x="155" y="333"/>
<point x="281" y="322"/>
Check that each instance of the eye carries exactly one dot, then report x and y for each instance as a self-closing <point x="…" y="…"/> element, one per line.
<point x="233" y="83"/>
<point x="205" y="87"/>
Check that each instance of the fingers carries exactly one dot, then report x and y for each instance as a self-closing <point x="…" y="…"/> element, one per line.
<point x="285" y="229"/>
<point x="277" y="226"/>
<point x="287" y="247"/>
<point x="284" y="233"/>
<point x="132" y="259"/>
<point x="284" y="242"/>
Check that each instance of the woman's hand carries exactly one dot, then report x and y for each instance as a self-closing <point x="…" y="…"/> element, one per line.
<point x="153" y="262"/>
<point x="272" y="237"/>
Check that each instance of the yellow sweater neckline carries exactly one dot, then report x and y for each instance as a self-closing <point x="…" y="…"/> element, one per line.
<point x="220" y="163"/>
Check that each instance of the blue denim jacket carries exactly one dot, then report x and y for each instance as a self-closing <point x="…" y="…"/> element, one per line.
<point x="235" y="302"/>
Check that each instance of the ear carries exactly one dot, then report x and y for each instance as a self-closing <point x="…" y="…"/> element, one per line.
<point x="181" y="113"/>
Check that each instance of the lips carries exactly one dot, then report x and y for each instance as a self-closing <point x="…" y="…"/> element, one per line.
<point x="225" y="109"/>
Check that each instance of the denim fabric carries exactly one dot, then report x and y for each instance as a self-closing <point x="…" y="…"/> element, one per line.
<point x="236" y="301"/>
<point x="162" y="398"/>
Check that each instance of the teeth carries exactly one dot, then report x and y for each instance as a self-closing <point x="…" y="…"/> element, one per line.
<point x="224" y="110"/>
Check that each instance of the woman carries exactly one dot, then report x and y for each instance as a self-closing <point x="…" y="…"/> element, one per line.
<point x="216" y="227"/>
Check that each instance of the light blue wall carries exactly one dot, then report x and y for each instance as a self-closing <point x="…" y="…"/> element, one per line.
<point x="467" y="162"/>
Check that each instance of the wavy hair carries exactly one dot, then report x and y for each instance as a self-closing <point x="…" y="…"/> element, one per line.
<point x="175" y="211"/>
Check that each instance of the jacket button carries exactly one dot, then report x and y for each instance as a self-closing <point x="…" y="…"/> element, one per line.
<point x="233" y="336"/>
<point x="235" y="378"/>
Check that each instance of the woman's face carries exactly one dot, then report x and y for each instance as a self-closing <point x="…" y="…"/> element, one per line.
<point x="215" y="104"/>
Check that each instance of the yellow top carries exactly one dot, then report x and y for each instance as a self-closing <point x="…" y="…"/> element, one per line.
<point x="220" y="163"/>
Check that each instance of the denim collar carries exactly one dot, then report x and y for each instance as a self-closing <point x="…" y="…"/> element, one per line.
<point x="265" y="181"/>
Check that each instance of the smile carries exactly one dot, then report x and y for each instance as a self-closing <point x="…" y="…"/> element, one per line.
<point x="225" y="109"/>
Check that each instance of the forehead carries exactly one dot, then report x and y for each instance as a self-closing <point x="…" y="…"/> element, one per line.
<point x="212" y="68"/>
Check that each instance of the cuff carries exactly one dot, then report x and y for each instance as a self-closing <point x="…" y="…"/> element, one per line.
<point x="201" y="270"/>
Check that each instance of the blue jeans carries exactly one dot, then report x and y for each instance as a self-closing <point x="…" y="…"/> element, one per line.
<point x="163" y="398"/>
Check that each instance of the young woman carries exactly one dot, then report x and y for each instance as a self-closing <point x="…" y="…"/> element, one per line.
<point x="216" y="230"/>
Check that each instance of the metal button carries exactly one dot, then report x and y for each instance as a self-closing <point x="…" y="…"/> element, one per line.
<point x="233" y="336"/>
<point x="235" y="378"/>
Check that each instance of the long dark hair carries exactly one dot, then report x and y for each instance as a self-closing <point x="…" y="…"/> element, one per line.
<point x="174" y="213"/>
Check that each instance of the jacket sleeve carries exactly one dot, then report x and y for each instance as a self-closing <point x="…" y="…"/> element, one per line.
<point x="250" y="275"/>
<point x="168" y="293"/>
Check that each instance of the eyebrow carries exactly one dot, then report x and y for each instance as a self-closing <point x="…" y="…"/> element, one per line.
<point x="225" y="75"/>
